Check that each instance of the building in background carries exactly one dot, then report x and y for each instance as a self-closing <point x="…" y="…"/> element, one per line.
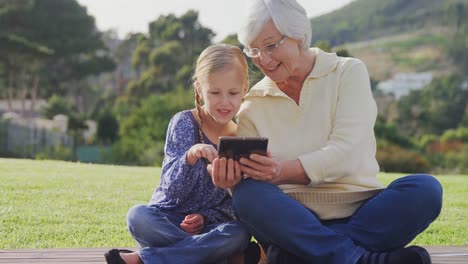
<point x="403" y="83"/>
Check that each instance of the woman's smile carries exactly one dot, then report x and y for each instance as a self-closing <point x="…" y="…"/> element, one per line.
<point x="273" y="68"/>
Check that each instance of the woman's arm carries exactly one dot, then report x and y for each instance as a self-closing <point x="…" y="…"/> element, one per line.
<point x="352" y="129"/>
<point x="352" y="125"/>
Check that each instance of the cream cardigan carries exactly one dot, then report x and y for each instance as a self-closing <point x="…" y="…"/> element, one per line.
<point x="330" y="132"/>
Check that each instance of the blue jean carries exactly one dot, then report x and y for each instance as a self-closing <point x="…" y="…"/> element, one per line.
<point x="389" y="220"/>
<point x="162" y="240"/>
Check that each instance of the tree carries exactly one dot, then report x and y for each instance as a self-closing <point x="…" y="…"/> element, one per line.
<point x="459" y="45"/>
<point x="323" y="45"/>
<point x="143" y="132"/>
<point x="57" y="105"/>
<point x="165" y="57"/>
<point x="108" y="127"/>
<point x="438" y="107"/>
<point x="255" y="74"/>
<point x="390" y="133"/>
<point x="61" y="42"/>
<point x="343" y="52"/>
<point x="20" y="55"/>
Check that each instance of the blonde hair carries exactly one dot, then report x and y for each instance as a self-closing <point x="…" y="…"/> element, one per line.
<point x="213" y="59"/>
<point x="289" y="17"/>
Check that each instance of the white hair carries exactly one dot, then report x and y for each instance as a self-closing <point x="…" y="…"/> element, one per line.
<point x="289" y="17"/>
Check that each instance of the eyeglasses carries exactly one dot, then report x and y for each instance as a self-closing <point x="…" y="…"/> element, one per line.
<point x="268" y="49"/>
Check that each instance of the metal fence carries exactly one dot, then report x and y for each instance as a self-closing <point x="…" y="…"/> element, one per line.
<point x="26" y="139"/>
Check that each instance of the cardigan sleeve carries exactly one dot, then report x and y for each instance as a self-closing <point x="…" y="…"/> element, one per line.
<point x="353" y="124"/>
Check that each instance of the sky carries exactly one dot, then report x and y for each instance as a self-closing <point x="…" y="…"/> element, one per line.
<point x="221" y="16"/>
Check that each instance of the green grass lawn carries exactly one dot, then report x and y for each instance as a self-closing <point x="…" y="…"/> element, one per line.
<point x="53" y="204"/>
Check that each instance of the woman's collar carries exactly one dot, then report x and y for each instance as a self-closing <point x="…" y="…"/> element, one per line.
<point x="325" y="63"/>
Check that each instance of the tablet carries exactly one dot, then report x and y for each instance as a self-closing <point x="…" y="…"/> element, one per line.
<point x="233" y="147"/>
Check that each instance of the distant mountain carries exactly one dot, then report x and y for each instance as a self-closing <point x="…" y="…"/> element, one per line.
<point x="395" y="36"/>
<point x="369" y="19"/>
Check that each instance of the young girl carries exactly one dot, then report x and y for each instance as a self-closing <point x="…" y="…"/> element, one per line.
<point x="188" y="219"/>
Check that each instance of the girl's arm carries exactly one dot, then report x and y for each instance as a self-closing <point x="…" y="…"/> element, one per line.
<point x="178" y="176"/>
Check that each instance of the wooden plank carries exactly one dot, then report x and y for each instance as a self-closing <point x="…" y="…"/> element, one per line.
<point x="54" y="256"/>
<point x="448" y="254"/>
<point x="439" y="255"/>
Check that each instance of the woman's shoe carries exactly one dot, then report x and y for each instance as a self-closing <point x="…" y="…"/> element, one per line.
<point x="276" y="255"/>
<point x="408" y="255"/>
<point x="113" y="256"/>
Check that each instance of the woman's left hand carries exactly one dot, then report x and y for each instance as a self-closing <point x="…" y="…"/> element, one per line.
<point x="193" y="224"/>
<point x="261" y="168"/>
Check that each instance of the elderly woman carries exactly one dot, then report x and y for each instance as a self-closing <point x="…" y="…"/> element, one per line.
<point x="316" y="198"/>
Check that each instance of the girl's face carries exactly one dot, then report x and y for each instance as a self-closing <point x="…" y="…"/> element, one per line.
<point x="222" y="93"/>
<point x="283" y="61"/>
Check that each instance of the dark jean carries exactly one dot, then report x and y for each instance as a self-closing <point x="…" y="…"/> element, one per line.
<point x="389" y="220"/>
<point x="162" y="240"/>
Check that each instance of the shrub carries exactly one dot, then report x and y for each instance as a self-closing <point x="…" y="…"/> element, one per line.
<point x="457" y="161"/>
<point x="55" y="153"/>
<point x="393" y="158"/>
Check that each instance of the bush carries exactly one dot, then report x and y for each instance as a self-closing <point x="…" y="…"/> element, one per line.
<point x="389" y="133"/>
<point x="57" y="105"/>
<point x="460" y="134"/>
<point x="55" y="153"/>
<point x="457" y="162"/>
<point x="143" y="132"/>
<point x="426" y="140"/>
<point x="393" y="158"/>
<point x="444" y="147"/>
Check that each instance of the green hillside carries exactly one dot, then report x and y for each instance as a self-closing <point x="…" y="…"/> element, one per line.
<point x="417" y="51"/>
<point x="393" y="36"/>
<point x="370" y="19"/>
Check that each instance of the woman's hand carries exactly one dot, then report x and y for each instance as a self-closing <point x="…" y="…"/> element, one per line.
<point x="198" y="151"/>
<point x="193" y="224"/>
<point x="225" y="173"/>
<point x="261" y="168"/>
<point x="267" y="169"/>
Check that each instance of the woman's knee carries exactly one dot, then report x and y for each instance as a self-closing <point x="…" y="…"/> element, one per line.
<point x="247" y="195"/>
<point x="430" y="190"/>
<point x="424" y="192"/>
<point x="240" y="191"/>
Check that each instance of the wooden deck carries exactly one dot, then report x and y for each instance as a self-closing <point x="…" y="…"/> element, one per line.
<point x="440" y="255"/>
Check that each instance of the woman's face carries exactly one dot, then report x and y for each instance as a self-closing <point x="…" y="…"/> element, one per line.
<point x="283" y="62"/>
<point x="222" y="93"/>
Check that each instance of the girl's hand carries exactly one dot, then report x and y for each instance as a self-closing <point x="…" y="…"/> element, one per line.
<point x="261" y="168"/>
<point x="198" y="151"/>
<point x="225" y="173"/>
<point x="193" y="224"/>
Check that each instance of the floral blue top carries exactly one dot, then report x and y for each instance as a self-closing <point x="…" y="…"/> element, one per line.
<point x="187" y="189"/>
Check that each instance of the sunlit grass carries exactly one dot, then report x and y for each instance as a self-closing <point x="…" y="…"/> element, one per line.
<point x="53" y="204"/>
<point x="450" y="228"/>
